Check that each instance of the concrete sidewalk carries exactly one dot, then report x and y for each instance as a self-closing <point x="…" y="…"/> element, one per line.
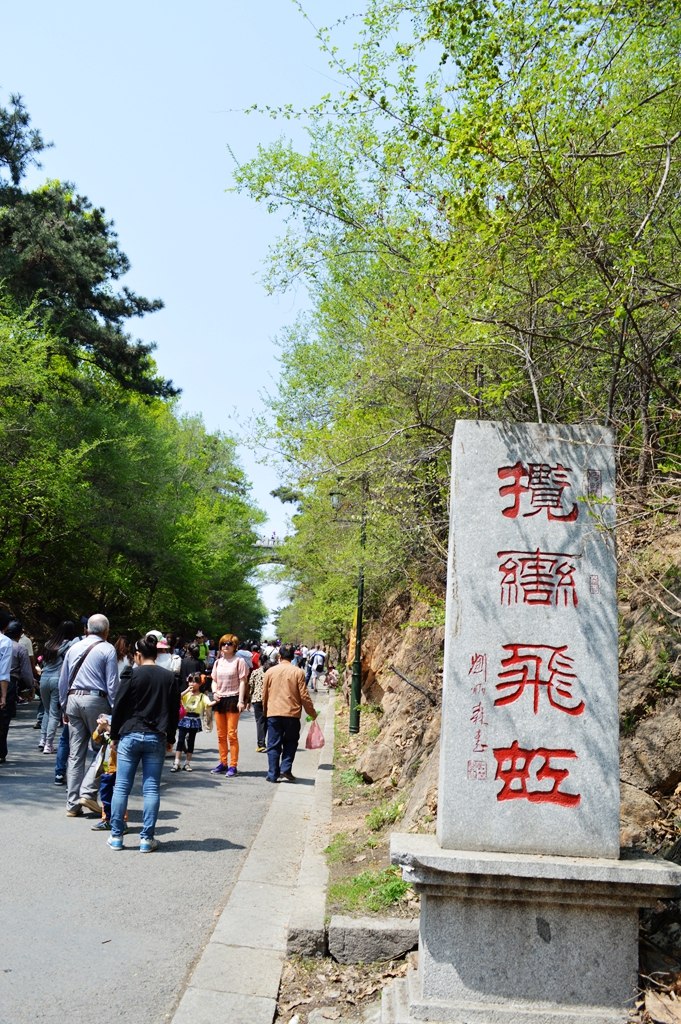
<point x="236" y="981"/>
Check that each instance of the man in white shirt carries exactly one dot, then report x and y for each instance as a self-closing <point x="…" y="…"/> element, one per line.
<point x="8" y="704"/>
<point x="87" y="688"/>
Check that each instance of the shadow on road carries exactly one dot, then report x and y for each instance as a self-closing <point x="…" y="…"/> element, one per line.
<point x="210" y="845"/>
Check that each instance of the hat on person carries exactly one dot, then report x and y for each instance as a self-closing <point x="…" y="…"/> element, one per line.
<point x="162" y="644"/>
<point x="199" y="632"/>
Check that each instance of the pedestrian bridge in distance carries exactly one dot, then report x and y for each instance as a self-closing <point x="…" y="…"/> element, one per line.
<point x="269" y="549"/>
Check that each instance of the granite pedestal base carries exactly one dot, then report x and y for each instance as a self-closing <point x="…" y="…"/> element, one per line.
<point x="523" y="939"/>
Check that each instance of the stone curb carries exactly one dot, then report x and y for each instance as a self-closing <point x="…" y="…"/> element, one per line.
<point x="307" y="926"/>
<point x="236" y="980"/>
<point x="348" y="940"/>
<point x="368" y="940"/>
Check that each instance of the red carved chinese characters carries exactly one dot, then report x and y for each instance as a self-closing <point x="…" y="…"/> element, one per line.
<point x="523" y="667"/>
<point x="515" y="769"/>
<point x="544" y="484"/>
<point x="539" y="577"/>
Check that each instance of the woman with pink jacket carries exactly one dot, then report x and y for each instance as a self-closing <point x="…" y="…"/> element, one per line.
<point x="230" y="677"/>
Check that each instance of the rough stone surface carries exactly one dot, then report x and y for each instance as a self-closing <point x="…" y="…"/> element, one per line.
<point x="634" y="695"/>
<point x="402" y="997"/>
<point x="377" y="760"/>
<point x="423" y="800"/>
<point x="510" y="937"/>
<point x="420" y="854"/>
<point x="539" y="953"/>
<point x="354" y="940"/>
<point x="637" y="811"/>
<point x="307" y="940"/>
<point x="636" y="807"/>
<point x="651" y="758"/>
<point x="493" y="603"/>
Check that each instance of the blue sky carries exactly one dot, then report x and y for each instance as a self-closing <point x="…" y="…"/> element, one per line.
<point x="137" y="99"/>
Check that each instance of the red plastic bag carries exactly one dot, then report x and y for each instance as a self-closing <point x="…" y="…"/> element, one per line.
<point x="315" y="737"/>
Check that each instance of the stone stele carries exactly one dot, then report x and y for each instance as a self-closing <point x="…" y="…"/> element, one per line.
<point x="529" y="755"/>
<point x="528" y="915"/>
<point x="523" y="938"/>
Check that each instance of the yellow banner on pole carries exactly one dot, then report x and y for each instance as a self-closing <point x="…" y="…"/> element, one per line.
<point x="352" y="639"/>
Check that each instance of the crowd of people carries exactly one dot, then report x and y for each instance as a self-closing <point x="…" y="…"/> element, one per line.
<point x="116" y="706"/>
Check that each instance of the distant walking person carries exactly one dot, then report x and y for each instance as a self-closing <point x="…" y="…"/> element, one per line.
<point x="87" y="688"/>
<point x="318" y="663"/>
<point x="229" y="675"/>
<point x="123" y="653"/>
<point x="143" y="727"/>
<point x="191" y="665"/>
<point x="284" y="695"/>
<point x="21" y="672"/>
<point x="8" y="693"/>
<point x="257" y="681"/>
<point x="53" y="659"/>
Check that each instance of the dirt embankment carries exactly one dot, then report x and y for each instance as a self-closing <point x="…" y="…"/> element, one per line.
<point x="402" y="660"/>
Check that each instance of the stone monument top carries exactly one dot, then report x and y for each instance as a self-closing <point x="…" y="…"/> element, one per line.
<point x="529" y="756"/>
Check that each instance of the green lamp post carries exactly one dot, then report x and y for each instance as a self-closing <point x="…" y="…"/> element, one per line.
<point x="356" y="685"/>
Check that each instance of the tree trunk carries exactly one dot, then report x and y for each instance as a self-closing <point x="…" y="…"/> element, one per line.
<point x="645" y="459"/>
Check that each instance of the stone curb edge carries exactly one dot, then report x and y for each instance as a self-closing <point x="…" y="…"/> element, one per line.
<point x="307" y="927"/>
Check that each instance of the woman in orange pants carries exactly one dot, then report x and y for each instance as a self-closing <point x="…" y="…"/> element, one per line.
<point x="229" y="675"/>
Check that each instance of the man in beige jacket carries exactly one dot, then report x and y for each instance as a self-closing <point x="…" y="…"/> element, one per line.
<point x="284" y="695"/>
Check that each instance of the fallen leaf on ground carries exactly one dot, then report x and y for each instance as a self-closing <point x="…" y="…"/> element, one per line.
<point x="296" y="1002"/>
<point x="662" y="1009"/>
<point x="330" y="1014"/>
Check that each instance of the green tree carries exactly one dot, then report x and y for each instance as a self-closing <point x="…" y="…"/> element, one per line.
<point x="113" y="503"/>
<point x="59" y="256"/>
<point x="486" y="218"/>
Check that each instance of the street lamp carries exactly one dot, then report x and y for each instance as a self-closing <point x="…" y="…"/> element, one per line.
<point x="356" y="684"/>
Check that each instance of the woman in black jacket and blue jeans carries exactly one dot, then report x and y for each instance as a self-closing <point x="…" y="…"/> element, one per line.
<point x="143" y="727"/>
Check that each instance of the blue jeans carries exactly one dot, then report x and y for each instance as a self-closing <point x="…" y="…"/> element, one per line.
<point x="283" y="734"/>
<point x="150" y="749"/>
<point x="106" y="787"/>
<point x="62" y="752"/>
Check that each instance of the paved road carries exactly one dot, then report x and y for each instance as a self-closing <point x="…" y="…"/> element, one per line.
<point x="89" y="935"/>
